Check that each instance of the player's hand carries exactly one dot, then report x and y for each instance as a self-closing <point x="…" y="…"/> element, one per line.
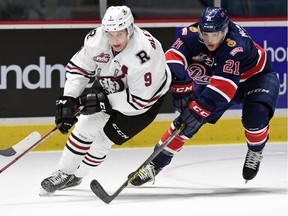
<point x="65" y="113"/>
<point x="182" y="94"/>
<point x="93" y="103"/>
<point x="193" y="117"/>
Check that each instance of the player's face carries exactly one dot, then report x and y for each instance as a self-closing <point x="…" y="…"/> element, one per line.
<point x="118" y="39"/>
<point x="212" y="40"/>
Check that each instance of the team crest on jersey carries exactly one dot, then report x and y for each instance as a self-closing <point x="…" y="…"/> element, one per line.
<point x="111" y="84"/>
<point x="193" y="29"/>
<point x="236" y="50"/>
<point x="231" y="43"/>
<point x="102" y="58"/>
<point x="198" y="73"/>
<point x="116" y="83"/>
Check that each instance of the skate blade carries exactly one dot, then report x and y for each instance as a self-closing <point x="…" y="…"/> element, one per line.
<point x="44" y="193"/>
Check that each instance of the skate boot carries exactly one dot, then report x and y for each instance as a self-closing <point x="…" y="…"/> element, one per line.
<point x="251" y="165"/>
<point x="146" y="175"/>
<point x="57" y="181"/>
<point x="73" y="182"/>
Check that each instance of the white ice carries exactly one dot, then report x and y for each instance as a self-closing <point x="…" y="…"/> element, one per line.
<point x="200" y="181"/>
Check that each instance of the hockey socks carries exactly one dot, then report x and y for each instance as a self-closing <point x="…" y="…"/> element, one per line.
<point x="164" y="158"/>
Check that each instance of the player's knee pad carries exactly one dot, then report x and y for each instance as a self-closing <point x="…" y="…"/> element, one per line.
<point x="255" y="115"/>
<point x="255" y="120"/>
<point x="99" y="149"/>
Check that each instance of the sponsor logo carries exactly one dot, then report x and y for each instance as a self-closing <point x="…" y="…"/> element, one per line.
<point x="121" y="133"/>
<point x="58" y="102"/>
<point x="23" y="79"/>
<point x="102" y="58"/>
<point x="199" y="110"/>
<point x="258" y="90"/>
<point x="182" y="89"/>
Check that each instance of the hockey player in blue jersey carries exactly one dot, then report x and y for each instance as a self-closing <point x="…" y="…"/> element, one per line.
<point x="229" y="68"/>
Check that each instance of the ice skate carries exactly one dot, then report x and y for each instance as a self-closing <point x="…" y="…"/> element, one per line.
<point x="73" y="182"/>
<point x="146" y="175"/>
<point x="251" y="165"/>
<point x="58" y="181"/>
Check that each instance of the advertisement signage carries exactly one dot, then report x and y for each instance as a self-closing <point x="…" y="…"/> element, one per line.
<point x="274" y="41"/>
<point x="32" y="65"/>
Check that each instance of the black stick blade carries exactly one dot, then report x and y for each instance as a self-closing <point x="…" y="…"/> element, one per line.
<point x="105" y="197"/>
<point x="8" y="152"/>
<point x="100" y="192"/>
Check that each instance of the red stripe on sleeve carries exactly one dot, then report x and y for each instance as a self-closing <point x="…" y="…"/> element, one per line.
<point x="170" y="55"/>
<point x="79" y="70"/>
<point x="258" y="68"/>
<point x="223" y="86"/>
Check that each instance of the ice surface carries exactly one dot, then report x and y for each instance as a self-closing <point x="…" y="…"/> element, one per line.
<point x="200" y="181"/>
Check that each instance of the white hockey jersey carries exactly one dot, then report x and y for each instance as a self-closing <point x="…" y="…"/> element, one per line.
<point x="134" y="79"/>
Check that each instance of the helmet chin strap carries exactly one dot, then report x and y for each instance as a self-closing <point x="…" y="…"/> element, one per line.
<point x="130" y="31"/>
<point x="225" y="31"/>
<point x="128" y="37"/>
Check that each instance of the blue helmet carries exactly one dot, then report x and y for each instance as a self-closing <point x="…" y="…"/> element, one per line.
<point x="213" y="19"/>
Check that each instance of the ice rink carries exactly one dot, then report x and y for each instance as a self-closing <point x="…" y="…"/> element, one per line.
<point x="201" y="181"/>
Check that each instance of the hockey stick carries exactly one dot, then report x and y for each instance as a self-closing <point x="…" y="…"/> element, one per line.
<point x="19" y="147"/>
<point x="10" y="151"/>
<point x="29" y="149"/>
<point x="105" y="197"/>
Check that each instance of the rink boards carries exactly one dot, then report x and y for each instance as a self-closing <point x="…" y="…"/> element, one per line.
<point x="39" y="76"/>
<point x="225" y="131"/>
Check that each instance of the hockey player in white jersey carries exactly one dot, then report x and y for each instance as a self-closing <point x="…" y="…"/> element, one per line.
<point x="131" y="80"/>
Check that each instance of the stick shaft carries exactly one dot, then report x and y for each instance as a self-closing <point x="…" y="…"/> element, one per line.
<point x="21" y="146"/>
<point x="105" y="197"/>
<point x="29" y="149"/>
<point x="35" y="144"/>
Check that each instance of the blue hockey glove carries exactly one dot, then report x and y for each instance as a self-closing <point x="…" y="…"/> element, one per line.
<point x="182" y="94"/>
<point x="193" y="116"/>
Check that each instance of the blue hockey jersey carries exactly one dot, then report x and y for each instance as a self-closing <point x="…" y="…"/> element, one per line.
<point x="218" y="73"/>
